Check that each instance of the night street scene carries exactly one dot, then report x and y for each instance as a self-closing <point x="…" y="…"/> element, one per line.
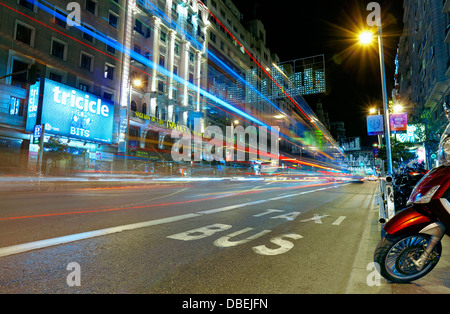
<point x="224" y="155"/>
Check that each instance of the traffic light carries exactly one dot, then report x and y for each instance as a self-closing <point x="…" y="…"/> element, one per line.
<point x="33" y="74"/>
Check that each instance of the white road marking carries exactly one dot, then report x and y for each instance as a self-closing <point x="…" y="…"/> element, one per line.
<point x="20" y="248"/>
<point x="284" y="245"/>
<point x="25" y="247"/>
<point x="317" y="219"/>
<point x="338" y="221"/>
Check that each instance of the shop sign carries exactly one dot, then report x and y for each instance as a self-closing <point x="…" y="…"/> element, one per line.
<point x="33" y="100"/>
<point x="375" y="125"/>
<point x="399" y="122"/>
<point x="73" y="113"/>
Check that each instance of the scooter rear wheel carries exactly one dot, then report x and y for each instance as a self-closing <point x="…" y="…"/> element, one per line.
<point x="395" y="254"/>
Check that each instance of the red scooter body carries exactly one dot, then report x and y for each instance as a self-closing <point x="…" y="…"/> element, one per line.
<point x="418" y="216"/>
<point x="408" y="221"/>
<point x="411" y="244"/>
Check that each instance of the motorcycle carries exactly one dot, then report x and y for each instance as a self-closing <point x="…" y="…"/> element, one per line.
<point x="405" y="181"/>
<point x="411" y="241"/>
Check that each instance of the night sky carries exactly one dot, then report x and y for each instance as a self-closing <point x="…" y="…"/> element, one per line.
<point x="298" y="29"/>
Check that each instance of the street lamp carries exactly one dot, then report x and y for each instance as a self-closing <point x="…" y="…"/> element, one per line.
<point x="365" y="38"/>
<point x="397" y="108"/>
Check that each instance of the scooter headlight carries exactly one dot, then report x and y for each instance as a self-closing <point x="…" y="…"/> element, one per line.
<point x="425" y="198"/>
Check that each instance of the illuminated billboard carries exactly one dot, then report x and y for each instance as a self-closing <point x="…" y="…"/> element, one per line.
<point x="415" y="134"/>
<point x="375" y="125"/>
<point x="399" y="122"/>
<point x="33" y="101"/>
<point x="70" y="112"/>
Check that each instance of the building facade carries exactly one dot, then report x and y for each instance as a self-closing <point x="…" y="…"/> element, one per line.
<point x="115" y="81"/>
<point x="423" y="67"/>
<point x="38" y="34"/>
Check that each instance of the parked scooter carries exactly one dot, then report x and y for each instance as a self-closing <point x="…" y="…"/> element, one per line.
<point x="405" y="180"/>
<point x="411" y="244"/>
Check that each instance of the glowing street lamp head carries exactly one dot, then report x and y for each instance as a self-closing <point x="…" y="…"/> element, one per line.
<point x="373" y="110"/>
<point x="137" y="82"/>
<point x="398" y="108"/>
<point x="366" y="38"/>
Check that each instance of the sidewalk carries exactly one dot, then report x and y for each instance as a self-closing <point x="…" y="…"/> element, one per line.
<point x="436" y="282"/>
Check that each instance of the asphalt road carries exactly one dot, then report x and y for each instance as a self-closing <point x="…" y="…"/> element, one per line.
<point x="238" y="237"/>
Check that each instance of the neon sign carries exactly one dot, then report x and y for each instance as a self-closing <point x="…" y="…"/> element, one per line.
<point x="73" y="113"/>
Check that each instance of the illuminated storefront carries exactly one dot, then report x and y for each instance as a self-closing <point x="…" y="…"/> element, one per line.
<point x="78" y="129"/>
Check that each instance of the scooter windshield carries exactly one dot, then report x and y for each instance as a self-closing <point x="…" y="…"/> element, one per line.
<point x="444" y="148"/>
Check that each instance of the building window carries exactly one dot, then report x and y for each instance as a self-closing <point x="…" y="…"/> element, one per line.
<point x="177" y="49"/>
<point x="138" y="26"/>
<point x="91" y="6"/>
<point x="83" y="87"/>
<point x="24" y="33"/>
<point x="161" y="85"/>
<point x="61" y="21"/>
<point x="27" y="4"/>
<point x="163" y="37"/>
<point x="19" y="79"/>
<point x="133" y="106"/>
<point x="109" y="71"/>
<point x="55" y="77"/>
<point x="59" y="49"/>
<point x="113" y="19"/>
<point x="212" y="36"/>
<point x="86" y="61"/>
<point x="162" y="60"/>
<point x="137" y="49"/>
<point x="108" y="96"/>
<point x="88" y="36"/>
<point x="111" y="49"/>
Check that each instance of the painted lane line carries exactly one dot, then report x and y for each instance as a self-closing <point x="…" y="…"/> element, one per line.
<point x="22" y="248"/>
<point x="338" y="221"/>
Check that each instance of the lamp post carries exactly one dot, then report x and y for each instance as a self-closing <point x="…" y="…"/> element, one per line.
<point x="365" y="38"/>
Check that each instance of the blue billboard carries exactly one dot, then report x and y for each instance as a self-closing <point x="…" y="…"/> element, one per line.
<point x="70" y="112"/>
<point x="33" y="101"/>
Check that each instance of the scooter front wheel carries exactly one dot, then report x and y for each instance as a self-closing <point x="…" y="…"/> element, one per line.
<point x="395" y="256"/>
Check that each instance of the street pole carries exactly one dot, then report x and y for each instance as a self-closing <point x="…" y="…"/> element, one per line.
<point x="127" y="132"/>
<point x="385" y="103"/>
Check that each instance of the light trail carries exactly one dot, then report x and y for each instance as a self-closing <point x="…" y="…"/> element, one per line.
<point x="180" y="80"/>
<point x="115" y="209"/>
